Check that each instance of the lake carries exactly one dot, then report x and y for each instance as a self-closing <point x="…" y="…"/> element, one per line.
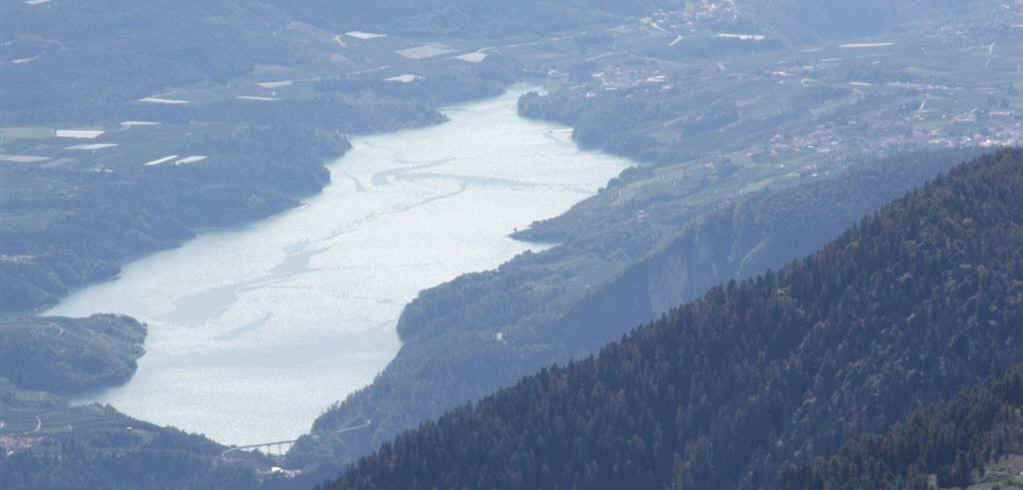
<point x="254" y="331"/>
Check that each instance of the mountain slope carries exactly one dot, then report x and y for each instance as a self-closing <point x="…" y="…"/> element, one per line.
<point x="947" y="445"/>
<point x="797" y="20"/>
<point x="469" y="18"/>
<point x="542" y="321"/>
<point x="903" y="310"/>
<point x="78" y="57"/>
<point x="70" y="355"/>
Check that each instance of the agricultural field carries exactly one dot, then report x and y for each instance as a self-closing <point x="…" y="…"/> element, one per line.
<point x="219" y="147"/>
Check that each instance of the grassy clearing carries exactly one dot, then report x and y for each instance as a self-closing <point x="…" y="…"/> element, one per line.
<point x="406" y="78"/>
<point x="475" y="57"/>
<point x="22" y="158"/>
<point x="431" y="50"/>
<point x="274" y="85"/>
<point x="85" y="134"/>
<point x="364" y="35"/>
<point x="26" y="133"/>
<point x="92" y="146"/>
<point x="159" y="161"/>
<point x="866" y="45"/>
<point x="158" y="100"/>
<point x="742" y="37"/>
<point x="190" y="159"/>
<point x="132" y="124"/>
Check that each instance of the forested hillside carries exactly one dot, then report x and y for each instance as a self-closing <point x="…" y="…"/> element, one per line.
<point x="811" y="21"/>
<point x="975" y="437"/>
<point x="72" y="217"/>
<point x="115" y="452"/>
<point x="800" y="21"/>
<point x="62" y="229"/>
<point x="470" y="18"/>
<point x="741" y="240"/>
<point x="906" y="308"/>
<point x="713" y="121"/>
<point x="67" y="355"/>
<point x="550" y="308"/>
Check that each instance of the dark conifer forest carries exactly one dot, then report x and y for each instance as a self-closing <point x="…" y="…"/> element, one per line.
<point x="948" y="444"/>
<point x="748" y="383"/>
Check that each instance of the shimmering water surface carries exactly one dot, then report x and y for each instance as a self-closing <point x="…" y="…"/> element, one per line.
<point x="255" y="331"/>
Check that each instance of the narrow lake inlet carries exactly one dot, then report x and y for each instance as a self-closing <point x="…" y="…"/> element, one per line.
<point x="254" y="331"/>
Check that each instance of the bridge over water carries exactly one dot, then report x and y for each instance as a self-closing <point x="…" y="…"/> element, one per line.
<point x="280" y="448"/>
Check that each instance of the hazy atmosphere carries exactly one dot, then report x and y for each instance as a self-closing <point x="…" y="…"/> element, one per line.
<point x="600" y="244"/>
<point x="253" y="332"/>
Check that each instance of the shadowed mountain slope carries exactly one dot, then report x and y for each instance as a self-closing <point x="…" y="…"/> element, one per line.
<point x="908" y="307"/>
<point x="974" y="438"/>
<point x="546" y="308"/>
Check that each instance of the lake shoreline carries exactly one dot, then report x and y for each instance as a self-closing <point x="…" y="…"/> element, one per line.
<point x="428" y="174"/>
